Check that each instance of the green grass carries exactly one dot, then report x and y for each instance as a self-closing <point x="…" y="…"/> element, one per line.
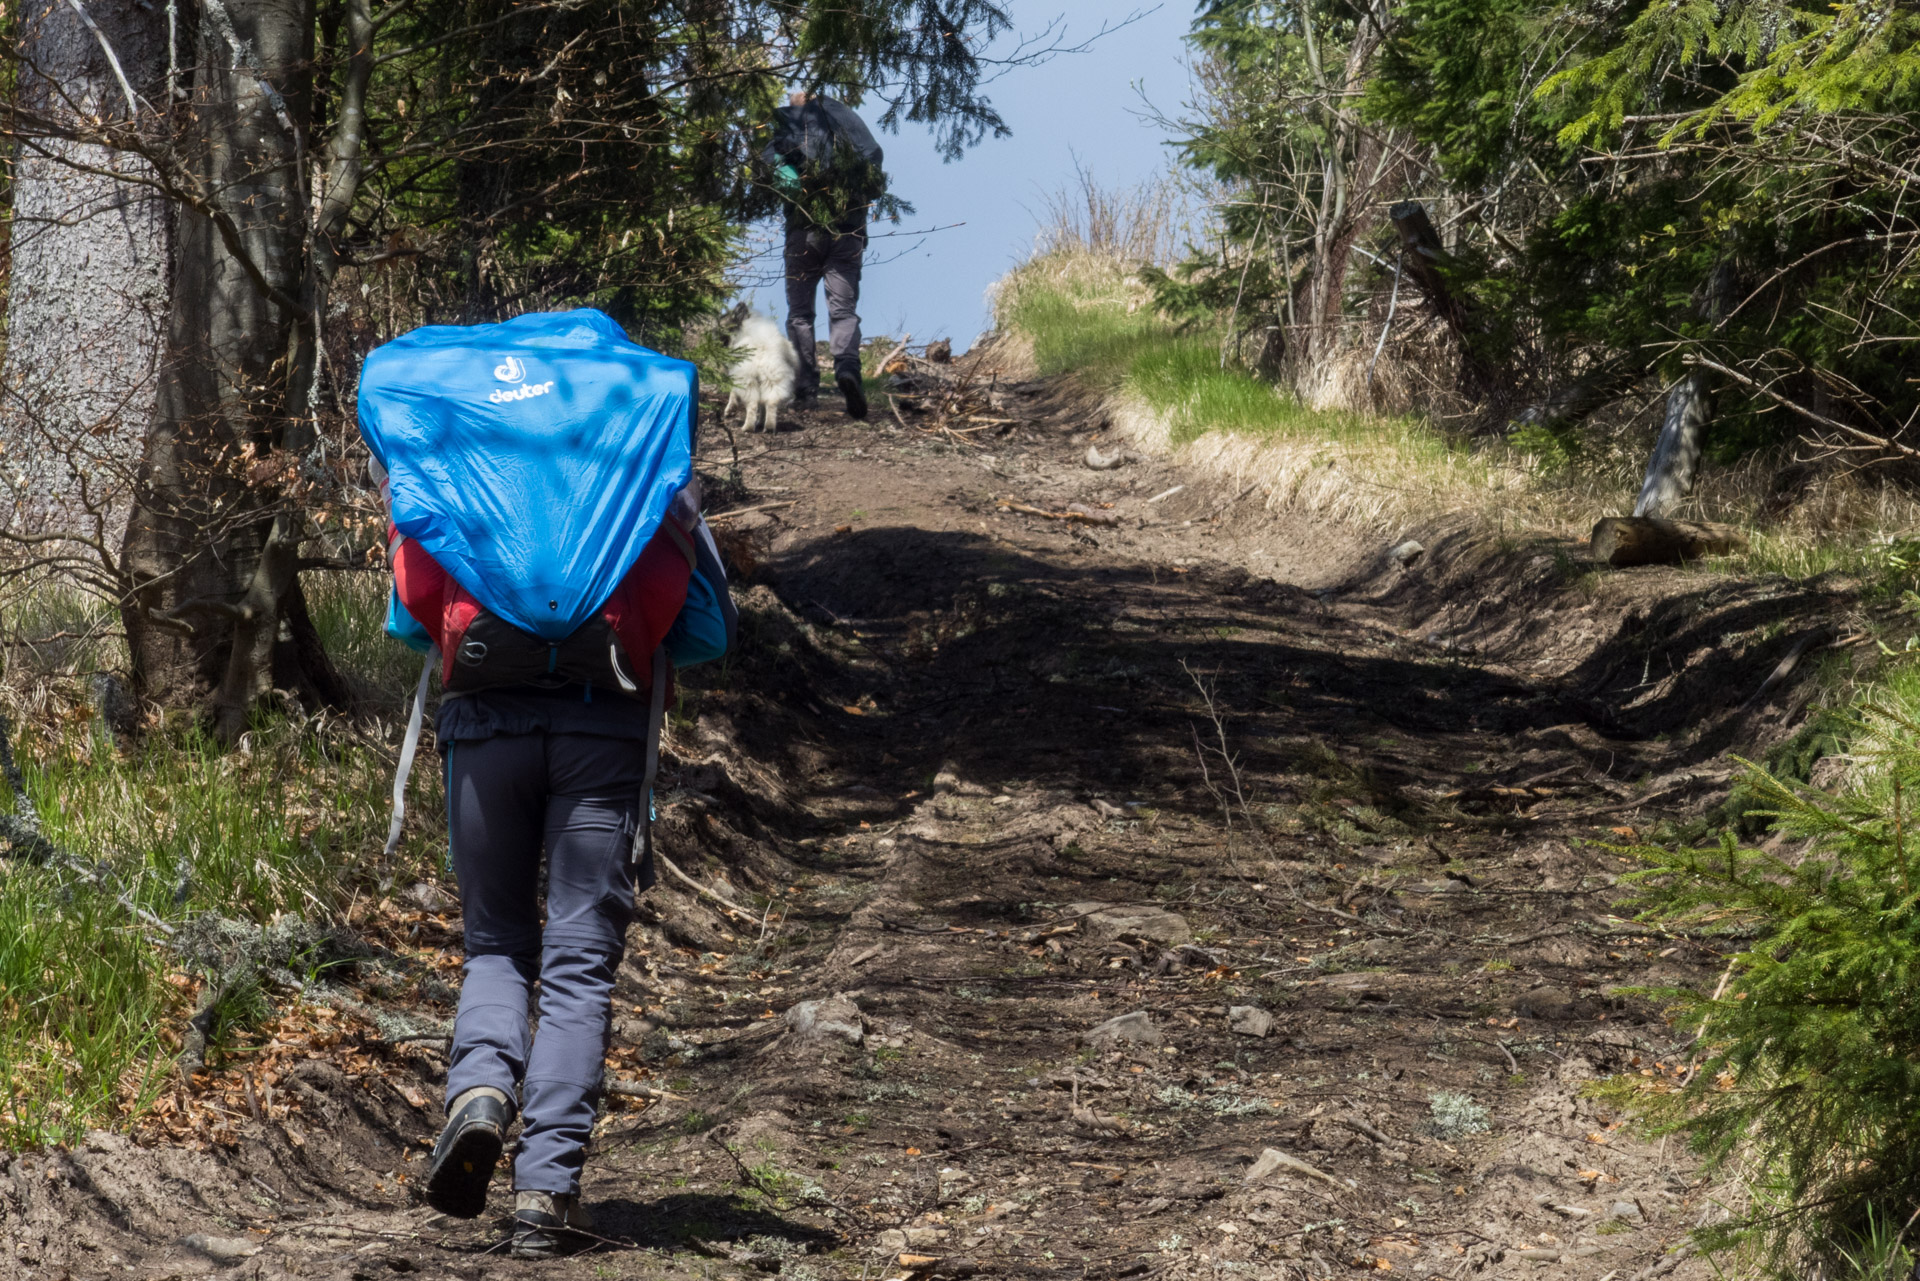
<point x="1088" y="321"/>
<point x="1088" y="316"/>
<point x="169" y="830"/>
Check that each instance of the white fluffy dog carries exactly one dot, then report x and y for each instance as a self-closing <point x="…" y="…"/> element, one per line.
<point x="763" y="380"/>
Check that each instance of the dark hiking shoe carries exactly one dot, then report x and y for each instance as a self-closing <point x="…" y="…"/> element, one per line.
<point x="856" y="395"/>
<point x="467" y="1151"/>
<point x="548" y="1223"/>
<point x="806" y="400"/>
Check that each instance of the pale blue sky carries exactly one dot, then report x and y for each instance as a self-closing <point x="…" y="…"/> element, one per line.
<point x="1085" y="104"/>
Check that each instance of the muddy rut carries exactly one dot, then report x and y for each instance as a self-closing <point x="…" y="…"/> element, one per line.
<point x="1184" y="893"/>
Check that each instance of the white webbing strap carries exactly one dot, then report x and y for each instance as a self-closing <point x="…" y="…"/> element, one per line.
<point x="409" y="746"/>
<point x="656" y="721"/>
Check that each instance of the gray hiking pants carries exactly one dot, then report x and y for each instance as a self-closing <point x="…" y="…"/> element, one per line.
<point x="577" y="796"/>
<point x="815" y="254"/>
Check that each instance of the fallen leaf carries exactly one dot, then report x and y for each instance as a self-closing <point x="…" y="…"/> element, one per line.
<point x="913" y="1151"/>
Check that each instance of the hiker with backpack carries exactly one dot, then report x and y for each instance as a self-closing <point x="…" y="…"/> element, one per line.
<point x="550" y="559"/>
<point x="825" y="166"/>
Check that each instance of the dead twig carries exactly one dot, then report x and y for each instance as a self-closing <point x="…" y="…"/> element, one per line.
<point x="748" y="511"/>
<point x="1076" y="513"/>
<point x="638" y="1090"/>
<point x="1376" y="926"/>
<point x="698" y="888"/>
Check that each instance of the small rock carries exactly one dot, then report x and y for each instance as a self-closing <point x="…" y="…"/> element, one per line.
<point x="431" y="898"/>
<point x="1548" y="1002"/>
<point x="948" y="780"/>
<point x="833" y="1016"/>
<point x="1445" y="885"/>
<point x="1272" y="1161"/>
<point x="1406" y="554"/>
<point x="1363" y="986"/>
<point x="1098" y="461"/>
<point x="1100" y="923"/>
<point x="1135" y="1029"/>
<point x="220" y="1249"/>
<point x="892" y="1240"/>
<point x="1249" y="1020"/>
<point x="1625" y="1210"/>
<point x="921" y="1238"/>
<point x="634" y="1030"/>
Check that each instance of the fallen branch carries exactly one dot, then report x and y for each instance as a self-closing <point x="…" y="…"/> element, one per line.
<point x="899" y="347"/>
<point x="1075" y="512"/>
<point x="1367" y="1131"/>
<point x="697" y="887"/>
<point x="636" y="1090"/>
<point x="1878" y="442"/>
<point x="1356" y="920"/>
<point x="1785" y="667"/>
<point x="748" y="511"/>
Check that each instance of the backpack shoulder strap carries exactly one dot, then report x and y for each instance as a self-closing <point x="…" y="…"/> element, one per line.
<point x="681" y="540"/>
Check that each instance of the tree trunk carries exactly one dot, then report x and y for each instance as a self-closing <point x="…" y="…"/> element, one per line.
<point x="212" y="547"/>
<point x="1422" y="252"/>
<point x="88" y="289"/>
<point x="1676" y="454"/>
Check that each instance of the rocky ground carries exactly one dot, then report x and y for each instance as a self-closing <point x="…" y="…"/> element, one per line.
<point x="1176" y="890"/>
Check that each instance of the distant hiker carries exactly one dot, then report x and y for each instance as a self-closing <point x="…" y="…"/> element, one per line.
<point x="826" y="167"/>
<point x="550" y="559"/>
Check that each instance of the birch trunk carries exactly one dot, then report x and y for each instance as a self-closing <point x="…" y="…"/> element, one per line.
<point x="88" y="292"/>
<point x="1676" y="452"/>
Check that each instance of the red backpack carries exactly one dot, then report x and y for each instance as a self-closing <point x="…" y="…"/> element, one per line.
<point x="614" y="649"/>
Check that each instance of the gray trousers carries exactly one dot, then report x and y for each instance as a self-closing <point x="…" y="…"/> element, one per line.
<point x="815" y="254"/>
<point x="577" y="797"/>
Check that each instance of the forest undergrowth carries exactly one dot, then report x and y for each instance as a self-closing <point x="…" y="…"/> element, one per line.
<point x="163" y="852"/>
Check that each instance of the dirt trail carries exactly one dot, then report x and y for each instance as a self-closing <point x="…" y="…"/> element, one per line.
<point x="1007" y="778"/>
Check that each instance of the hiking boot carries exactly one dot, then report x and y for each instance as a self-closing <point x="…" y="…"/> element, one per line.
<point x="856" y="395"/>
<point x="548" y="1223"/>
<point x="806" y="400"/>
<point x="467" y="1151"/>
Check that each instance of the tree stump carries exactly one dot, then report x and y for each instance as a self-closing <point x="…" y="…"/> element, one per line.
<point x="1647" y="540"/>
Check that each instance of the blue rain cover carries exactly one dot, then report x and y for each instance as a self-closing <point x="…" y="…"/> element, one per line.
<point x="533" y="459"/>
